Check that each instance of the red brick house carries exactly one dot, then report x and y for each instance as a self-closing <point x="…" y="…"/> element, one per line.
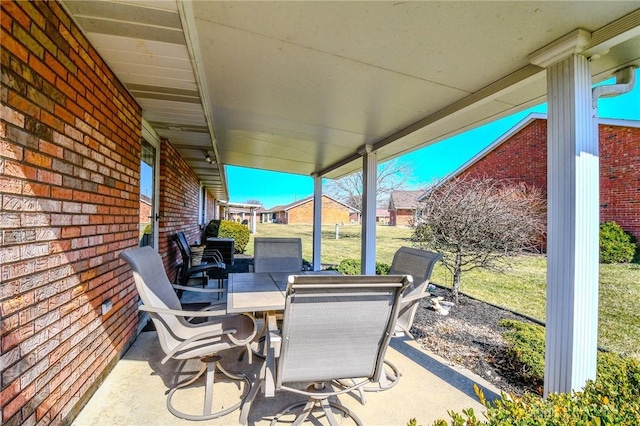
<point x="382" y="216"/>
<point x="520" y="155"/>
<point x="301" y="212"/>
<point x="402" y="207"/>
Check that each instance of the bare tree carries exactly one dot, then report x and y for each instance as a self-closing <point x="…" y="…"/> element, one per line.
<point x="392" y="176"/>
<point x="479" y="223"/>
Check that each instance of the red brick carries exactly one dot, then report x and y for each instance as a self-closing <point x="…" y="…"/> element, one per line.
<point x="25" y="38"/>
<point x="23" y="397"/>
<point x="51" y="149"/>
<point x="16" y="13"/>
<point x="52" y="121"/>
<point x="18" y="170"/>
<point x="12" y="45"/>
<point x="34" y="14"/>
<point x="17" y="336"/>
<point x="10" y="391"/>
<point x="49" y="177"/>
<point x="55" y="65"/>
<point x="5" y="20"/>
<point x="37" y="159"/>
<point x="23" y="105"/>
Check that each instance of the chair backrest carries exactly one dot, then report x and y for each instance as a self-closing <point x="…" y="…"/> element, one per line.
<point x="419" y="264"/>
<point x="277" y="254"/>
<point x="155" y="290"/>
<point x="224" y="246"/>
<point x="183" y="246"/>
<point x="337" y="326"/>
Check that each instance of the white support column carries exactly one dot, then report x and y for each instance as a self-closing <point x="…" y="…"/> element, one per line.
<point x="252" y="223"/>
<point x="573" y="224"/>
<point x="369" y="180"/>
<point x="317" y="222"/>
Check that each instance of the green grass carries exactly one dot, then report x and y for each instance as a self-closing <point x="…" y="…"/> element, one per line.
<point x="521" y="289"/>
<point x="388" y="240"/>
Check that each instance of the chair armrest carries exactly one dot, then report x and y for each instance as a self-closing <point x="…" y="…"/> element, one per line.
<point x="206" y="267"/>
<point x="199" y="290"/>
<point x="175" y="312"/>
<point x="205" y="335"/>
<point x="249" y="339"/>
<point x="409" y="299"/>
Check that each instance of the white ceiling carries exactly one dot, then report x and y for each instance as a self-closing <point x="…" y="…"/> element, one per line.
<point x="300" y="86"/>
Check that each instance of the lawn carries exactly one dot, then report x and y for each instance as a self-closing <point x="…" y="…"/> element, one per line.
<point x="521" y="289"/>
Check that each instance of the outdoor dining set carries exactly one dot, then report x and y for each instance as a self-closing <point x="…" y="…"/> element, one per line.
<point x="318" y="334"/>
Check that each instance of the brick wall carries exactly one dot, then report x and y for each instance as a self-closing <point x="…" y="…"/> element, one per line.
<point x="402" y="217"/>
<point x="211" y="210"/>
<point x="179" y="192"/>
<point x="69" y="184"/>
<point x="332" y="213"/>
<point x="523" y="158"/>
<point x="620" y="177"/>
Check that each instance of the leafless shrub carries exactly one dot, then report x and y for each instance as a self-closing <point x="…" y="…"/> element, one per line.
<point x="479" y="223"/>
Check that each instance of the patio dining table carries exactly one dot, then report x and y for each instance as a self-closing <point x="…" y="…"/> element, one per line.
<point x="261" y="291"/>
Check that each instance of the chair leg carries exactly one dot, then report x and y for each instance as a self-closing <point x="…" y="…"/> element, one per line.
<point x="309" y="406"/>
<point x="251" y="396"/>
<point x="390" y="378"/>
<point x="209" y="366"/>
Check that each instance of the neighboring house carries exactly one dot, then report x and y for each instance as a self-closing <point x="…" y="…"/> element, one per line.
<point x="145" y="216"/>
<point x="403" y="206"/>
<point x="520" y="155"/>
<point x="238" y="213"/>
<point x="301" y="212"/>
<point x="145" y="210"/>
<point x="382" y="216"/>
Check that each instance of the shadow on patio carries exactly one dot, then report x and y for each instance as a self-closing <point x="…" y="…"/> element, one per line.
<point x="134" y="393"/>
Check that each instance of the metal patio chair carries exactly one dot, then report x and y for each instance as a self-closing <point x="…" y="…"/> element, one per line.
<point x="187" y="271"/>
<point x="335" y="327"/>
<point x="277" y="254"/>
<point x="419" y="264"/>
<point x="183" y="340"/>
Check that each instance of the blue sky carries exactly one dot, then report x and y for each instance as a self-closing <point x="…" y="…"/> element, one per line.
<point x="429" y="163"/>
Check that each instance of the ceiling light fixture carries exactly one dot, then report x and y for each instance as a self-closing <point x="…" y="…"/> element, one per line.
<point x="209" y="159"/>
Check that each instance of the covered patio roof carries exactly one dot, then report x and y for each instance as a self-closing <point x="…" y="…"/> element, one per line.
<point x="301" y="87"/>
<point x="328" y="88"/>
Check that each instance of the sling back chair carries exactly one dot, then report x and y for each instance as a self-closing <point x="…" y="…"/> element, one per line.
<point x="183" y="340"/>
<point x="220" y="250"/>
<point x="277" y="254"/>
<point x="419" y="264"/>
<point x="335" y="327"/>
<point x="214" y="265"/>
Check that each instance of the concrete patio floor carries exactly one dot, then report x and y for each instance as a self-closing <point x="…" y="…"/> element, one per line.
<point x="134" y="393"/>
